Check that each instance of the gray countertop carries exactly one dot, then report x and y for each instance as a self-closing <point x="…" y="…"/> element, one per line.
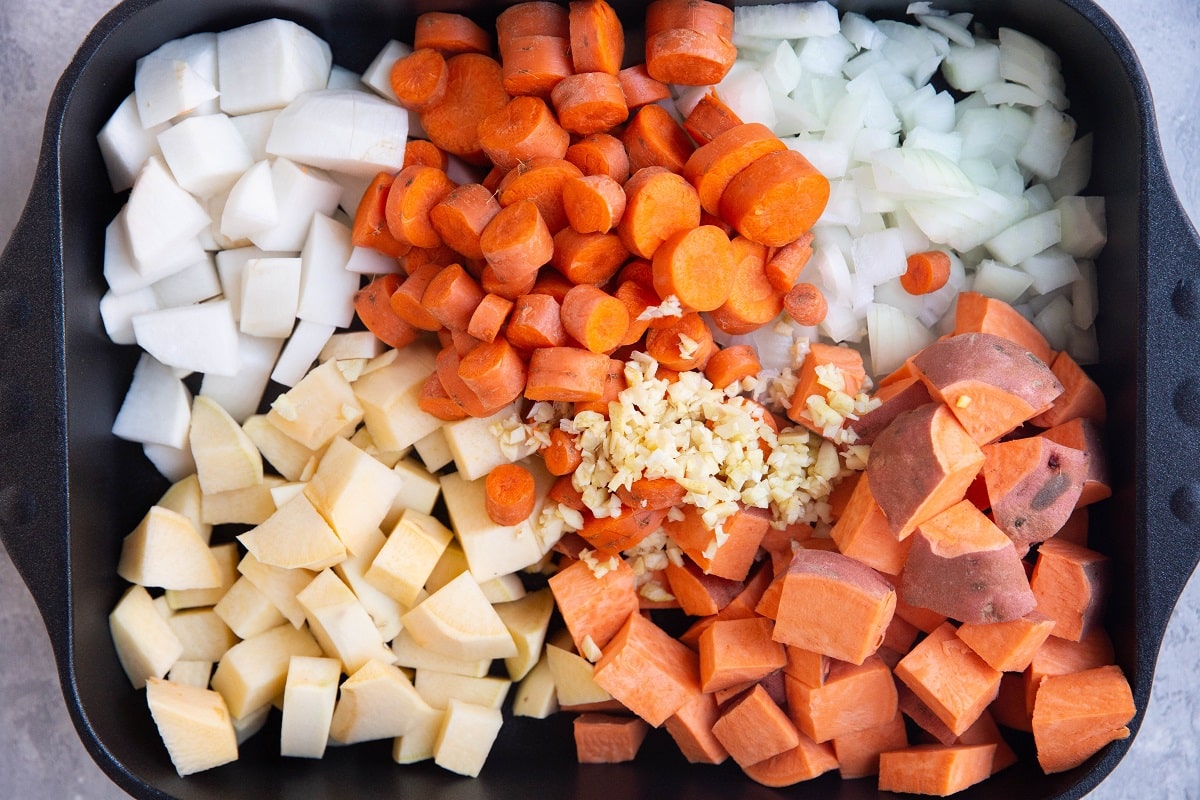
<point x="40" y="756"/>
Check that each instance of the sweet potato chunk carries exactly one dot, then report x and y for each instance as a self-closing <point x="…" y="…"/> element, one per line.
<point x="1032" y="485"/>
<point x="950" y="678"/>
<point x="1070" y="583"/>
<point x="1075" y="715"/>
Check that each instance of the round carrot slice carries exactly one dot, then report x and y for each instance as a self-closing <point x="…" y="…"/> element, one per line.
<point x="540" y="180"/>
<point x="417" y="189"/>
<point x="589" y="102"/>
<point x="510" y="494"/>
<point x="450" y="34"/>
<point x="776" y="199"/>
<point x="461" y="216"/>
<point x="474" y="89"/>
<point x="806" y="304"/>
<point x="419" y="79"/>
<point x="752" y="301"/>
<point x="696" y="266"/>
<point x="600" y="154"/>
<point x="522" y="130"/>
<point x="517" y="242"/>
<point x="594" y="318"/>
<point x="711" y="167"/>
<point x="659" y="203"/>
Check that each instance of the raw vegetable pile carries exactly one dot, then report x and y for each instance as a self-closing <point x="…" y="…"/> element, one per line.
<point x="768" y="329"/>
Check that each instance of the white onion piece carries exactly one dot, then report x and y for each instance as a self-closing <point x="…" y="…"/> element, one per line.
<point x="878" y="257"/>
<point x="1084" y="225"/>
<point x="951" y="29"/>
<point x="745" y="91"/>
<point x="969" y="69"/>
<point x="862" y="32"/>
<point x="785" y="21"/>
<point x="1075" y="170"/>
<point x="1028" y="237"/>
<point x="781" y="68"/>
<point x="1054" y="322"/>
<point x="1049" y="138"/>
<point x="1051" y="269"/>
<point x="913" y="173"/>
<point x="893" y="336"/>
<point x="1085" y="295"/>
<point x="1003" y="283"/>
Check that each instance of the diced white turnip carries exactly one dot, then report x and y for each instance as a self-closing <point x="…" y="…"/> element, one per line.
<point x="300" y="192"/>
<point x="367" y="261"/>
<point x="781" y="68"/>
<point x="166" y="87"/>
<point x="255" y="129"/>
<point x="343" y="78"/>
<point x="251" y="206"/>
<point x="117" y="312"/>
<point x="193" y="284"/>
<point x="157" y="408"/>
<point x="825" y="55"/>
<point x="241" y="393"/>
<point x="301" y="351"/>
<point x="206" y="154"/>
<point x="173" y="463"/>
<point x="268" y="64"/>
<point x="231" y="263"/>
<point x="270" y="293"/>
<point x="341" y="130"/>
<point x="1075" y="170"/>
<point x="326" y="288"/>
<point x="159" y="216"/>
<point x="354" y="187"/>
<point x="378" y="74"/>
<point x="199" y="338"/>
<point x="125" y="144"/>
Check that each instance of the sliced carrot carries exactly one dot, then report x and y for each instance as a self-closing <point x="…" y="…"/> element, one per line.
<point x="691" y="728"/>
<point x="509" y="493"/>
<point x="589" y="102"/>
<point x="474" y="89"/>
<point x="852" y="698"/>
<point x="700" y="15"/>
<point x="659" y="204"/>
<point x="1008" y="646"/>
<point x="597" y="37"/>
<point x="594" y="318"/>
<point x="1070" y="583"/>
<point x="536" y="321"/>
<point x="510" y="290"/>
<point x="712" y="166"/>
<point x="447" y="364"/>
<point x="732" y="364"/>
<point x="805" y="761"/>
<point x="709" y="118"/>
<point x="419" y="79"/>
<point x="681" y="343"/>
<point x="787" y="262"/>
<point x="614" y="384"/>
<point x="925" y="272"/>
<point x="451" y="297"/>
<point x="834" y="605"/>
<point x="937" y="769"/>
<point x="517" y="241"/>
<point x="540" y="180"/>
<point x="600" y="154"/>
<point x="689" y="57"/>
<point x="805" y="303"/>
<point x="858" y="752"/>
<point x="621" y="531"/>
<point x="695" y="265"/>
<point x="975" y="312"/>
<point x="1085" y="435"/>
<point x="417" y="190"/>
<point x="588" y="258"/>
<point x="950" y="678"/>
<point x="552" y="282"/>
<point x="594" y="203"/>
<point x="523" y="129"/>
<point x="1075" y="715"/>
<point x="424" y="153"/>
<point x="649" y="671"/>
<point x="654" y="139"/>
<point x="862" y="533"/>
<point x="562" y="455"/>
<point x="752" y="301"/>
<point x="652" y="493"/>
<point x="418" y="257"/>
<point x="373" y="305"/>
<point x="461" y="341"/>
<point x="532" y="18"/>
<point x="775" y="199"/>
<point x="568" y="374"/>
<point x="461" y="217"/>
<point x="450" y="34"/>
<point x="1081" y="396"/>
<point x="608" y="738"/>
<point x="406" y="301"/>
<point x="370" y="219"/>
<point x="564" y="492"/>
<point x="533" y="65"/>
<point x="435" y="400"/>
<point x="639" y="88"/>
<point x="494" y="371"/>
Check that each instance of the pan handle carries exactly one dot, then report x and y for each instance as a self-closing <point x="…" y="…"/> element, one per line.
<point x="33" y="423"/>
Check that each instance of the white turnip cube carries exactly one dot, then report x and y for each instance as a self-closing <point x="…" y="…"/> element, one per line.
<point x="120" y="271"/>
<point x="160" y="215"/>
<point x="157" y="408"/>
<point x="166" y="87"/>
<point x="366" y="261"/>
<point x="251" y="206"/>
<point x="301" y="350"/>
<point x="193" y="284"/>
<point x="341" y="130"/>
<point x="206" y="153"/>
<point x="268" y="64"/>
<point x="125" y="144"/>
<point x="326" y="288"/>
<point x="342" y="78"/>
<point x="300" y="192"/>
<point x="231" y="264"/>
<point x="378" y="75"/>
<point x="199" y="338"/>
<point x="173" y="463"/>
<point x="255" y="130"/>
<point x="270" y="292"/>
<point x="241" y="393"/>
<point x="117" y="312"/>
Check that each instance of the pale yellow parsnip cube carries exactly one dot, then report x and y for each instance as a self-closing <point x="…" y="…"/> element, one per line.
<point x="438" y="688"/>
<point x="191" y="673"/>
<point x="165" y="551"/>
<point x="146" y="646"/>
<point x="285" y="454"/>
<point x="280" y="585"/>
<point x="535" y="695"/>
<point x="574" y="678"/>
<point x="388" y="390"/>
<point x="417" y="744"/>
<point x="409" y="555"/>
<point x="246" y="610"/>
<point x="184" y="496"/>
<point x="419" y="490"/>
<point x="296" y="536"/>
<point x="493" y="550"/>
<point x="411" y="655"/>
<point x="253" y="672"/>
<point x="376" y="702"/>
<point x="452" y="564"/>
<point x="503" y="588"/>
<point x="226" y="556"/>
<point x="352" y="491"/>
<point x="458" y="621"/>
<point x="285" y="492"/>
<point x="252" y="723"/>
<point x="251" y="505"/>
<point x="340" y="624"/>
<point x="527" y="620"/>
<point x="475" y="448"/>
<point x="318" y="408"/>
<point x="194" y="724"/>
<point x="203" y="634"/>
<point x="309" y="695"/>
<point x="225" y="456"/>
<point x="466" y="737"/>
<point x="385" y="612"/>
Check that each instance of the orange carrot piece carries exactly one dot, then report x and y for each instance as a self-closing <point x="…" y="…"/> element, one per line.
<point x="786" y="263"/>
<point x="474" y="89"/>
<point x="569" y="374"/>
<point x="639" y="88"/>
<point x="417" y="190"/>
<point x="488" y="317"/>
<point x="523" y="129"/>
<point x="370" y="219"/>
<point x="447" y="364"/>
<point x="975" y="312"/>
<point x="1008" y="646"/>
<point x="936" y="769"/>
<point x="418" y="257"/>
<point x="752" y="301"/>
<point x="821" y="357"/>
<point x="562" y="455"/>
<point x="862" y="533"/>
<point x="589" y="102"/>
<point x="659" y="204"/>
<point x="510" y="290"/>
<point x="608" y="738"/>
<point x="654" y="139"/>
<point x="419" y="79"/>
<point x="517" y="241"/>
<point x="737" y="651"/>
<point x="805" y="303"/>
<point x="588" y="258"/>
<point x="681" y="343"/>
<point x="594" y="318"/>
<point x="834" y="605"/>
<point x="373" y="305"/>
<point x="450" y="34"/>
<point x="852" y="698"/>
<point x="712" y="166"/>
<point x="649" y="671"/>
<point x="709" y="118"/>
<point x="805" y="761"/>
<point x="600" y="154"/>
<point x="552" y="282"/>
<point x="509" y="493"/>
<point x="700" y="594"/>
<point x="451" y="297"/>
<point x="691" y="728"/>
<point x="1084" y="434"/>
<point x="540" y="180"/>
<point x="696" y="266"/>
<point x="1070" y="583"/>
<point x="858" y="752"/>
<point x="1081" y="396"/>
<point x="423" y="152"/>
<point x="950" y="678"/>
<point x="652" y="493"/>
<point x="597" y="37"/>
<point x="407" y="300"/>
<point x="1076" y="715"/>
<point x="594" y="203"/>
<point x="591" y="607"/>
<point x="533" y="65"/>
<point x="564" y="492"/>
<point x="436" y="401"/>
<point x="775" y="199"/>
<point x="625" y="529"/>
<point x="733" y="558"/>
<point x="700" y="15"/>
<point x="536" y="321"/>
<point x="689" y="57"/>
<point x="533" y="18"/>
<point x="925" y="272"/>
<point x="614" y="384"/>
<point x="732" y="364"/>
<point x="494" y="371"/>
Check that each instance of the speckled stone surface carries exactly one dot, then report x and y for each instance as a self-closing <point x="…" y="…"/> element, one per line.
<point x="41" y="757"/>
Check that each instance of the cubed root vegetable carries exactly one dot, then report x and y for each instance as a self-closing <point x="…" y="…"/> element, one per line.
<point x="1075" y="715"/>
<point x="934" y="769"/>
<point x="950" y="678"/>
<point x="649" y="671"/>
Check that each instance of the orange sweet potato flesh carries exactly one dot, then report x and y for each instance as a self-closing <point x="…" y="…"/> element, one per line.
<point x="862" y="532"/>
<point x="985" y="731"/>
<point x="691" y="728"/>
<point x="858" y="752"/>
<point x="950" y="678"/>
<point x="652" y="673"/>
<point x="591" y="606"/>
<point x="975" y="312"/>
<point x="1008" y="646"/>
<point x="963" y="566"/>
<point x="1075" y="715"/>
<point x="754" y="728"/>
<point x="608" y="738"/>
<point x="733" y="559"/>
<point x="852" y="698"/>
<point x="734" y="652"/>
<point x="1032" y="485"/>
<point x="1084" y="434"/>
<point x="1081" y="396"/>
<point x="834" y="605"/>
<point x="803" y="762"/>
<point x="935" y="769"/>
<point x="1059" y="656"/>
<point x="936" y="456"/>
<point x="1070" y="583"/>
<point x="992" y="384"/>
<point x="896" y="398"/>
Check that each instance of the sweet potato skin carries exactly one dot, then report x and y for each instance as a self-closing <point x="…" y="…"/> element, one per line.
<point x="1038" y="506"/>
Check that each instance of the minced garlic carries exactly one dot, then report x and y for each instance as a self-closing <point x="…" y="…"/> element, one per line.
<point x="669" y="307"/>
